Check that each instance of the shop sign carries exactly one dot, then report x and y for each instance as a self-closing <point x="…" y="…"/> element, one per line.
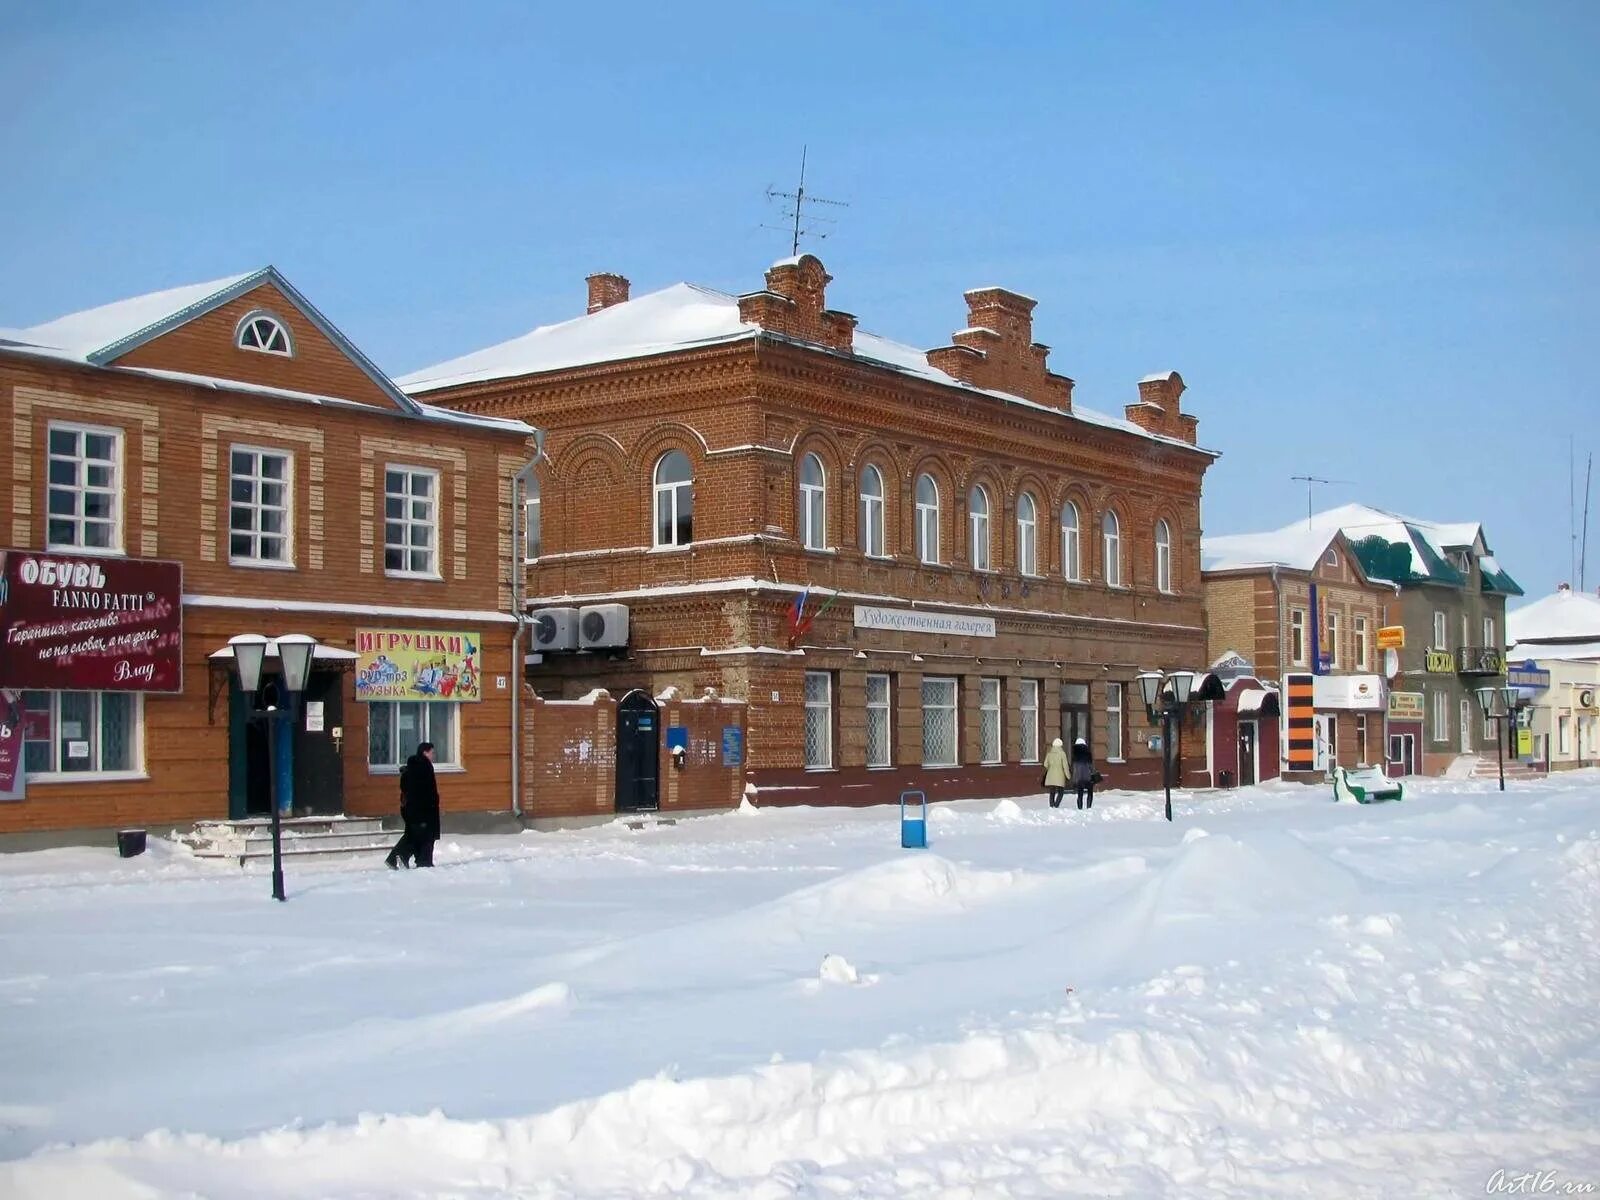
<point x="1405" y="706"/>
<point x="1440" y="662"/>
<point x="1348" y="692"/>
<point x="75" y="624"/>
<point x="1524" y="743"/>
<point x="1231" y="666"/>
<point x="418" y="664"/>
<point x="13" y="779"/>
<point x="1527" y="674"/>
<point x="1391" y="637"/>
<point x="908" y="620"/>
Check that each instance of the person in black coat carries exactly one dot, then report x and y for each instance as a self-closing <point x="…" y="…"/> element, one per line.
<point x="419" y="805"/>
<point x="1083" y="772"/>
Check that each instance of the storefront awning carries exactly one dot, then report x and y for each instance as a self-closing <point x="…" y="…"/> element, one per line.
<point x="1258" y="701"/>
<point x="321" y="653"/>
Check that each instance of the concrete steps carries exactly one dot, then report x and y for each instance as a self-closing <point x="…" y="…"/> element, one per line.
<point x="302" y="836"/>
<point x="1486" y="768"/>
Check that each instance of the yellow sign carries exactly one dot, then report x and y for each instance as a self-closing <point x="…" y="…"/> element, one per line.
<point x="1441" y="662"/>
<point x="1524" y="743"/>
<point x="1391" y="637"/>
<point x="1405" y="706"/>
<point x="417" y="664"/>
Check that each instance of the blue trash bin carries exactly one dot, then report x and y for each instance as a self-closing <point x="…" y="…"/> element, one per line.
<point x="914" y="828"/>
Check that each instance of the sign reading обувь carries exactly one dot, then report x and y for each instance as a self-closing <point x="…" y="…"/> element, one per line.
<point x="908" y="620"/>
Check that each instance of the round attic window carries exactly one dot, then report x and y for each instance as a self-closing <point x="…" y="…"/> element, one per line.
<point x="265" y="334"/>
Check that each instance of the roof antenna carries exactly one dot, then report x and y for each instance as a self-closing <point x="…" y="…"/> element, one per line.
<point x="1308" y="480"/>
<point x="793" y="216"/>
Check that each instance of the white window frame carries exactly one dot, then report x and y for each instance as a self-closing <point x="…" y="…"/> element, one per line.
<point x="813" y="504"/>
<point x="1111" y="548"/>
<point x="991" y="734"/>
<point x="1028" y="720"/>
<point x="881" y="709"/>
<point x="1163" y="557"/>
<point x="258" y="331"/>
<point x="1297" y="637"/>
<point x="1563" y="734"/>
<point x="873" y="543"/>
<point x="1071" y="543"/>
<point x="1330" y="558"/>
<point x="1489" y="639"/>
<point x="670" y="499"/>
<point x="1027" y="535"/>
<point x="927" y="512"/>
<point x="257" y="479"/>
<point x="978" y="509"/>
<point x="822" y="706"/>
<point x="1358" y="632"/>
<point x="80" y="489"/>
<point x="1441" y="717"/>
<point x="1334" y="630"/>
<point x="1440" y="634"/>
<point x="953" y="708"/>
<point x="58" y="742"/>
<point x="532" y="520"/>
<point x="446" y="742"/>
<point x="409" y="521"/>
<point x="1114" y="717"/>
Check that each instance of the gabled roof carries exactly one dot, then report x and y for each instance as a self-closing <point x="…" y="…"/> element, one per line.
<point x="1389" y="547"/>
<point x="686" y="316"/>
<point x="1563" y="616"/>
<point x="1294" y="546"/>
<point x="100" y="336"/>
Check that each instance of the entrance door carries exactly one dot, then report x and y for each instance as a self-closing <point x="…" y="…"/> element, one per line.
<point x="638" y="754"/>
<point x="318" y="764"/>
<point x="1327" y="741"/>
<point x="1075" y="714"/>
<point x="1403" y="752"/>
<point x="1466" y="726"/>
<point x="1247" y="753"/>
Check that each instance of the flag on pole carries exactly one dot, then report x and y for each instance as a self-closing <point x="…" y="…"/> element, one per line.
<point x="797" y="610"/>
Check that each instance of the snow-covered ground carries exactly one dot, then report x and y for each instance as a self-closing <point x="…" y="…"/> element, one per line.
<point x="1273" y="996"/>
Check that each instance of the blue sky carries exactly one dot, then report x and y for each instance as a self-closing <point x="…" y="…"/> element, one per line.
<point x="1366" y="234"/>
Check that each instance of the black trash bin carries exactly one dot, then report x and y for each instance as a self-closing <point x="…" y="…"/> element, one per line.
<point x="1225" y="779"/>
<point x="130" y="842"/>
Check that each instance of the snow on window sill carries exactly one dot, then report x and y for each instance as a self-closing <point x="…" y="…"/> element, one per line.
<point x="438" y="769"/>
<point x="819" y="770"/>
<point x="86" y="776"/>
<point x="424" y="576"/>
<point x="261" y="564"/>
<point x="670" y="549"/>
<point x="90" y="551"/>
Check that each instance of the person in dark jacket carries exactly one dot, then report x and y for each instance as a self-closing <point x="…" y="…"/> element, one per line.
<point x="419" y="805"/>
<point x="1083" y="772"/>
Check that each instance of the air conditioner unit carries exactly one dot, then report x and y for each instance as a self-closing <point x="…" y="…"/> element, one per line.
<point x="555" y="629"/>
<point x="602" y="626"/>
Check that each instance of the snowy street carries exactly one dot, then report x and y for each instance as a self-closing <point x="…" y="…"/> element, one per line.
<point x="1273" y="996"/>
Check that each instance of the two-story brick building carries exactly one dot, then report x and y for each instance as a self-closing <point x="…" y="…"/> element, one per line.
<point x="916" y="566"/>
<point x="219" y="459"/>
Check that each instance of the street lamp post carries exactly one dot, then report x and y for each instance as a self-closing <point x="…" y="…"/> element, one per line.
<point x="294" y="651"/>
<point x="1171" y="693"/>
<point x="1499" y="705"/>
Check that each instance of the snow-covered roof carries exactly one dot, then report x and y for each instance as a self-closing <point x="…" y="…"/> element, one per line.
<point x="81" y="335"/>
<point x="99" y="336"/>
<point x="1564" y="616"/>
<point x="1294" y="546"/>
<point x="1158" y="377"/>
<point x="686" y="316"/>
<point x="1554" y="652"/>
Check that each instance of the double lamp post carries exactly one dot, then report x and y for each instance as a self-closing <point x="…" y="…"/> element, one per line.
<point x="294" y="652"/>
<point x="1166" y="696"/>
<point x="1499" y="705"/>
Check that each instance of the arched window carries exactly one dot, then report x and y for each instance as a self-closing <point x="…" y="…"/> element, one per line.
<point x="1111" y="535"/>
<point x="1027" y="535"/>
<point x="530" y="508"/>
<point x="872" y="539"/>
<point x="674" y="494"/>
<point x="265" y="334"/>
<point x="978" y="527"/>
<point x="813" y="504"/>
<point x="1071" y="552"/>
<point x="927" y="519"/>
<point x="1163" y="557"/>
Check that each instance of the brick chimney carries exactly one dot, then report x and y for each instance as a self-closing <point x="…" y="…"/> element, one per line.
<point x="996" y="350"/>
<point x="793" y="305"/>
<point x="1157" y="410"/>
<point x="606" y="289"/>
